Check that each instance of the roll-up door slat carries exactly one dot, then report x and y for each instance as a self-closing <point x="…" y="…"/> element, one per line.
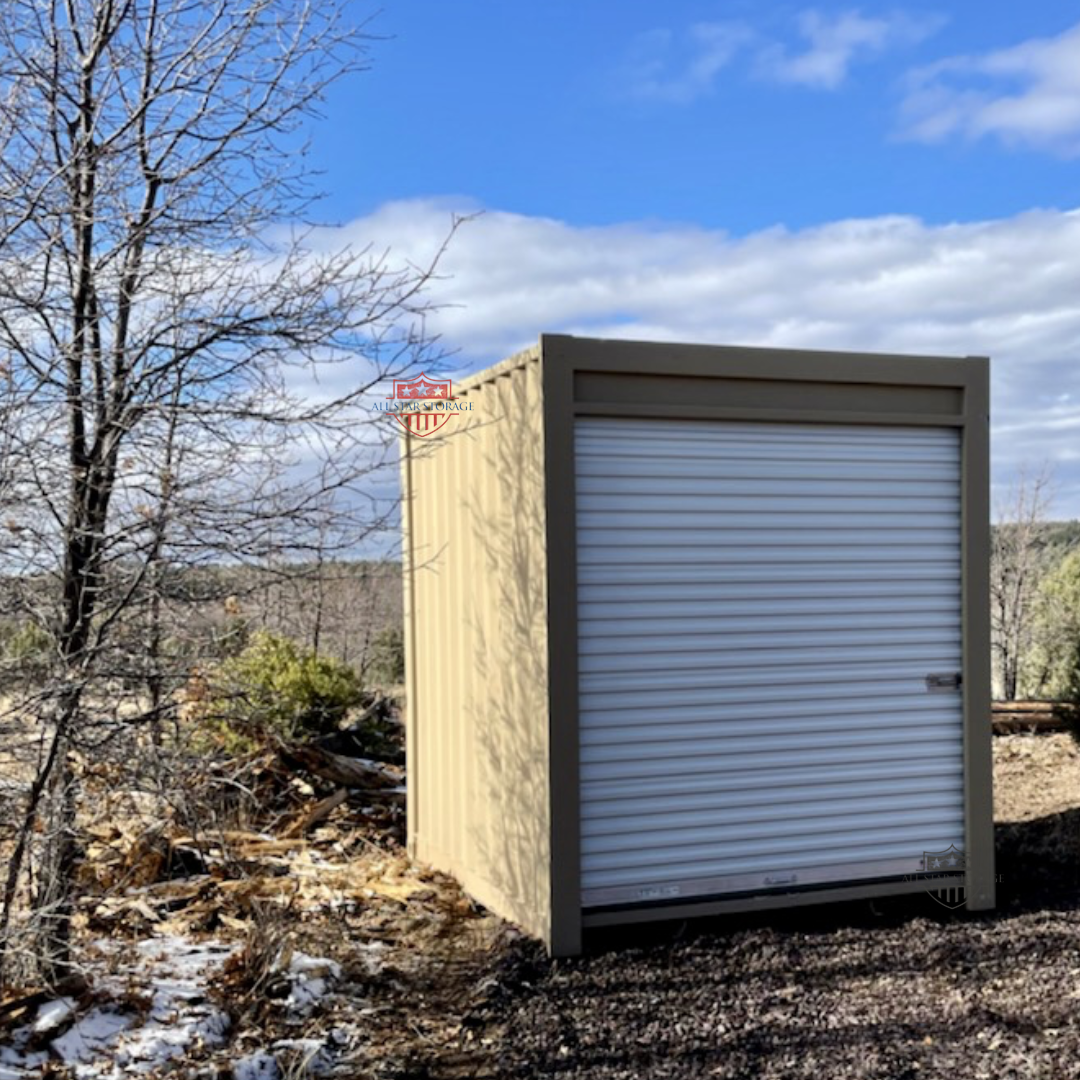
<point x="914" y="773"/>
<point x="622" y="665"/>
<point x="692" y="832"/>
<point x="769" y="762"/>
<point x="622" y="832"/>
<point x="614" y="814"/>
<point x="659" y="743"/>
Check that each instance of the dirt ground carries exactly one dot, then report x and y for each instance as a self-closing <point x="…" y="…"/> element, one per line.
<point x="891" y="990"/>
<point x="1035" y="776"/>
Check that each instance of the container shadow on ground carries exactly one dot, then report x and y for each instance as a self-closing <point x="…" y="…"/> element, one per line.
<point x="889" y="989"/>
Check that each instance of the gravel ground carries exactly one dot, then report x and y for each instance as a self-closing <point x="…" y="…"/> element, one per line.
<point x="892" y="990"/>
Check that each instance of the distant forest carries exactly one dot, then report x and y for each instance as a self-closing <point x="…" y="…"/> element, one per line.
<point x="340" y="609"/>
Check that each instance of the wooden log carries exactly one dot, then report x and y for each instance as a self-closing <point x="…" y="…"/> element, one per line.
<point x="344" y="771"/>
<point x="1010" y="717"/>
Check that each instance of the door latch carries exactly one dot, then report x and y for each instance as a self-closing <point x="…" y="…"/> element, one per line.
<point x="944" y="680"/>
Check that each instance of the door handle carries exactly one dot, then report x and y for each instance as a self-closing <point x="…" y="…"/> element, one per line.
<point x="944" y="680"/>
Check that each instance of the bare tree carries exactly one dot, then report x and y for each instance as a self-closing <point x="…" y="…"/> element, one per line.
<point x="183" y="368"/>
<point x="1018" y="560"/>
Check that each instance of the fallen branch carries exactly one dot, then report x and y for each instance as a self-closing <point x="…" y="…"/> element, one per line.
<point x="319" y="812"/>
<point x="344" y="771"/>
<point x="18" y="1010"/>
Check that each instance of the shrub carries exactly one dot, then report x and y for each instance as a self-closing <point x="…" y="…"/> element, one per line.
<point x="232" y="638"/>
<point x="386" y="658"/>
<point x="275" y="687"/>
<point x="26" y="652"/>
<point x="1048" y="668"/>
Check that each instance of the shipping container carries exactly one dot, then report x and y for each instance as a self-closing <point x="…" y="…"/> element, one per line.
<point x="693" y="629"/>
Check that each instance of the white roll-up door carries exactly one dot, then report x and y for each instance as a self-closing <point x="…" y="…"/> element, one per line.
<point x="760" y="606"/>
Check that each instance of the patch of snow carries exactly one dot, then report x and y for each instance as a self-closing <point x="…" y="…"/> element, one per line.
<point x="298" y="1057"/>
<point x="179" y="1016"/>
<point x="52" y="1015"/>
<point x="14" y="1060"/>
<point x="14" y="1057"/>
<point x="311" y="977"/>
<point x="257" y="1066"/>
<point x="106" y="1044"/>
<point x="300" y="964"/>
<point x="164" y="1038"/>
<point x="306" y="1057"/>
<point x="91" y="1037"/>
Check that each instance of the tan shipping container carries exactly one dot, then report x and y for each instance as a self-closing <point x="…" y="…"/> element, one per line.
<point x="694" y="629"/>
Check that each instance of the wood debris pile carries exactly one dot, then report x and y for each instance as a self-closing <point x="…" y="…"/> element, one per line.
<point x="286" y="865"/>
<point x="312" y="829"/>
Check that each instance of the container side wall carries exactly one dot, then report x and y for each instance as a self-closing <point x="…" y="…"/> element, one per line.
<point x="478" y="728"/>
<point x="409" y="629"/>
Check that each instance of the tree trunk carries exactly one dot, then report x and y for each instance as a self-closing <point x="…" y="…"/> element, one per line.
<point x="42" y="782"/>
<point x="53" y="903"/>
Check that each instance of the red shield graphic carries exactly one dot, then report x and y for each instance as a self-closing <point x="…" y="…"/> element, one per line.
<point x="419" y="404"/>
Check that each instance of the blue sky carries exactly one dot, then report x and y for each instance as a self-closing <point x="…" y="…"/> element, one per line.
<point x="728" y="115"/>
<point x="881" y="177"/>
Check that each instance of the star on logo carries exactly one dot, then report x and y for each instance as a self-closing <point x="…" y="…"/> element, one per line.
<point x="950" y="859"/>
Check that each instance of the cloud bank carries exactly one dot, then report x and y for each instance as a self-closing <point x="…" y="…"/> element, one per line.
<point x="1004" y="288"/>
<point x="832" y="44"/>
<point x="679" y="68"/>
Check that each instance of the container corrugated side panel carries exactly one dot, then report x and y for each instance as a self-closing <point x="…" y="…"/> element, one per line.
<point x="759" y="606"/>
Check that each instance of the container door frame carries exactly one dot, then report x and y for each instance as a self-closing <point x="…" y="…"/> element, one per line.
<point x="584" y="377"/>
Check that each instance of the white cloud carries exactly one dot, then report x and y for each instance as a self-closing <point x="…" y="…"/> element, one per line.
<point x="835" y="42"/>
<point x="1025" y="95"/>
<point x="678" y="68"/>
<point x="1006" y="288"/>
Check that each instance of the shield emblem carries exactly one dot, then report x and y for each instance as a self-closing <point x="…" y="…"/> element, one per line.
<point x="419" y="404"/>
<point x="950" y="861"/>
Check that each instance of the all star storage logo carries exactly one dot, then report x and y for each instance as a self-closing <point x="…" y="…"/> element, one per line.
<point x="943" y="866"/>
<point x="422" y="405"/>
